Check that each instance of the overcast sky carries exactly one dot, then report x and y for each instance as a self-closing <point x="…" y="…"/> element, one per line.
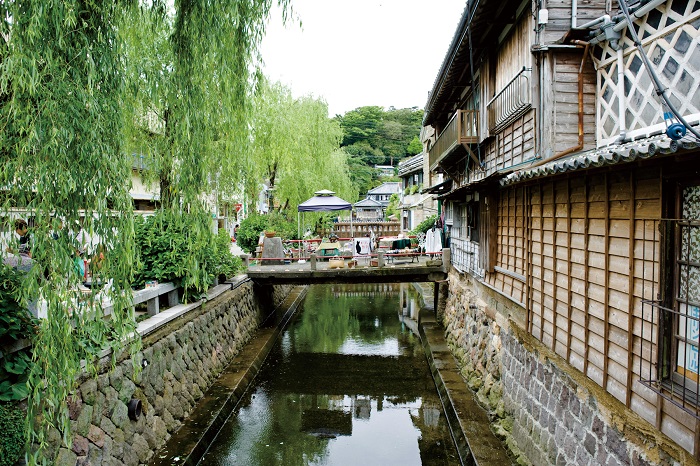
<point x="354" y="53"/>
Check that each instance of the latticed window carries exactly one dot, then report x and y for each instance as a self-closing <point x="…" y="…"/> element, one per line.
<point x="672" y="318"/>
<point x="669" y="35"/>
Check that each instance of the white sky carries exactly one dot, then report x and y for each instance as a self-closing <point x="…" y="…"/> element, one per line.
<point x="355" y="53"/>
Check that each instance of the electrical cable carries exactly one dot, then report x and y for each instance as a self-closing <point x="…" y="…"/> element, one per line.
<point x="675" y="132"/>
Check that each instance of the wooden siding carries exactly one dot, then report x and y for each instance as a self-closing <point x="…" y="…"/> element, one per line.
<point x="565" y="90"/>
<point x="513" y="54"/>
<point x="512" y="146"/>
<point x="587" y="247"/>
<point x="560" y="17"/>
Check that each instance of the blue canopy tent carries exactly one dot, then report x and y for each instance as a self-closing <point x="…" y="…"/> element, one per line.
<point x="324" y="201"/>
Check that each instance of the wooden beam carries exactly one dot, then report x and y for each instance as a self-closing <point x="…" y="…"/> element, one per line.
<point x="472" y="154"/>
<point x="541" y="264"/>
<point x="555" y="312"/>
<point x="606" y="290"/>
<point x="586" y="272"/>
<point x="630" y="289"/>
<point x="568" y="268"/>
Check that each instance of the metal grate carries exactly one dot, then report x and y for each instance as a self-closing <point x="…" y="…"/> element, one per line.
<point x="670" y="332"/>
<point x="511" y="102"/>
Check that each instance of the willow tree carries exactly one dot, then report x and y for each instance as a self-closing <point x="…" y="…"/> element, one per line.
<point x="295" y="147"/>
<point x="63" y="167"/>
<point x="71" y="98"/>
<point x="193" y="68"/>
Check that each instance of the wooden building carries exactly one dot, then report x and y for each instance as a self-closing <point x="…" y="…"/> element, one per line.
<point x="574" y="218"/>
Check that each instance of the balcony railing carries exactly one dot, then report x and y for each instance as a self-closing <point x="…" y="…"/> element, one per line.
<point x="512" y="102"/>
<point x="463" y="128"/>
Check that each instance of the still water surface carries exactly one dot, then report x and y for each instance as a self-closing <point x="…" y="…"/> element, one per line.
<point x="347" y="384"/>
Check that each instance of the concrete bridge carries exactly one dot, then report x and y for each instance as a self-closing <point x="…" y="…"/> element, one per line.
<point x="384" y="268"/>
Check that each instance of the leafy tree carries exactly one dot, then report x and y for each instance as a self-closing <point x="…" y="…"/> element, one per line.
<point x="379" y="137"/>
<point x="82" y="84"/>
<point x="425" y="225"/>
<point x="295" y="147"/>
<point x="414" y="147"/>
<point x="393" y="207"/>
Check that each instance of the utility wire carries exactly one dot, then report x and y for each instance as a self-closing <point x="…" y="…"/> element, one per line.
<point x="660" y="90"/>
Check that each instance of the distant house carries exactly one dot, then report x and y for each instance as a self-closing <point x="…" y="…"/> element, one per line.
<point x="369" y="208"/>
<point x="415" y="206"/>
<point x="385" y="171"/>
<point x="374" y="206"/>
<point x="383" y="192"/>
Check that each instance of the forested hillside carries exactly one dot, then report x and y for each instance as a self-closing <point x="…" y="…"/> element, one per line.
<point x="374" y="136"/>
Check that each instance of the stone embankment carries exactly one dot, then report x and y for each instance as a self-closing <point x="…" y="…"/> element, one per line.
<point x="545" y="411"/>
<point x="178" y="362"/>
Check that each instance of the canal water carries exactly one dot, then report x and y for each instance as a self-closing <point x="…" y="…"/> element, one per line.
<point x="346" y="384"/>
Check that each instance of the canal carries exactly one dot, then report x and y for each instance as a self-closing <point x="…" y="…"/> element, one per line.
<point x="346" y="384"/>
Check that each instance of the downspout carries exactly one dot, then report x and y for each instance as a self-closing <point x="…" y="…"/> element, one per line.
<point x="621" y="101"/>
<point x="579" y="146"/>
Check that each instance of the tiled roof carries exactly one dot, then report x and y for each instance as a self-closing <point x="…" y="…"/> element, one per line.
<point x="609" y="155"/>
<point x="411" y="165"/>
<point x="368" y="203"/>
<point x="389" y="187"/>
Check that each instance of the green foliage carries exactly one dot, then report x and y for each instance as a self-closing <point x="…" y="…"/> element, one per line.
<point x="62" y="93"/>
<point x="414" y="147"/>
<point x="226" y="263"/>
<point x="81" y="84"/>
<point x="15" y="324"/>
<point x="415" y="188"/>
<point x="393" y="207"/>
<point x="12" y="438"/>
<point x="295" y="148"/>
<point x="425" y="225"/>
<point x="379" y="136"/>
<point x="250" y="229"/>
<point x="178" y="248"/>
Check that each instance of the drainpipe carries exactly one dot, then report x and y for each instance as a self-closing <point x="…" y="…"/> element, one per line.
<point x="574" y="7"/>
<point x="579" y="146"/>
<point x="638" y="13"/>
<point x="603" y="19"/>
<point x="621" y="102"/>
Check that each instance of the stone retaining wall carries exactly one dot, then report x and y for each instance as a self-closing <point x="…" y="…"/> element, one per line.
<point x="180" y="361"/>
<point x="545" y="411"/>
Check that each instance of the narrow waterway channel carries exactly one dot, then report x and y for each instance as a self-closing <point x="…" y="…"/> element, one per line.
<point x="347" y="384"/>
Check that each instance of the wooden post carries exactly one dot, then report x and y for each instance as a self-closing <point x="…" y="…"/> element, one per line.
<point x="313" y="261"/>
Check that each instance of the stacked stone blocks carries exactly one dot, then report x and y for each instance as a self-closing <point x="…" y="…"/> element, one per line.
<point x="176" y="371"/>
<point x="542" y="413"/>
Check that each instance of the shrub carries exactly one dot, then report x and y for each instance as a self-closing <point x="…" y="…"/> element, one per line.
<point x="425" y="225"/>
<point x="12" y="438"/>
<point x="15" y="323"/>
<point x="178" y="248"/>
<point x="249" y="230"/>
<point x="226" y="263"/>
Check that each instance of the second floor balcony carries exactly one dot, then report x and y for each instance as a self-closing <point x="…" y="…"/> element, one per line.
<point x="462" y="130"/>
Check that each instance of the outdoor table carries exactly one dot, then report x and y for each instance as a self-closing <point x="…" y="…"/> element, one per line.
<point x="328" y="249"/>
<point x="395" y="243"/>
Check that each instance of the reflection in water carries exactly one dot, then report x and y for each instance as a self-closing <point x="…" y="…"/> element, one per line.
<point x="347" y="384"/>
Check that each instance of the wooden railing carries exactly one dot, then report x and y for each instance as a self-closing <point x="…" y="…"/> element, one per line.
<point x="463" y="128"/>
